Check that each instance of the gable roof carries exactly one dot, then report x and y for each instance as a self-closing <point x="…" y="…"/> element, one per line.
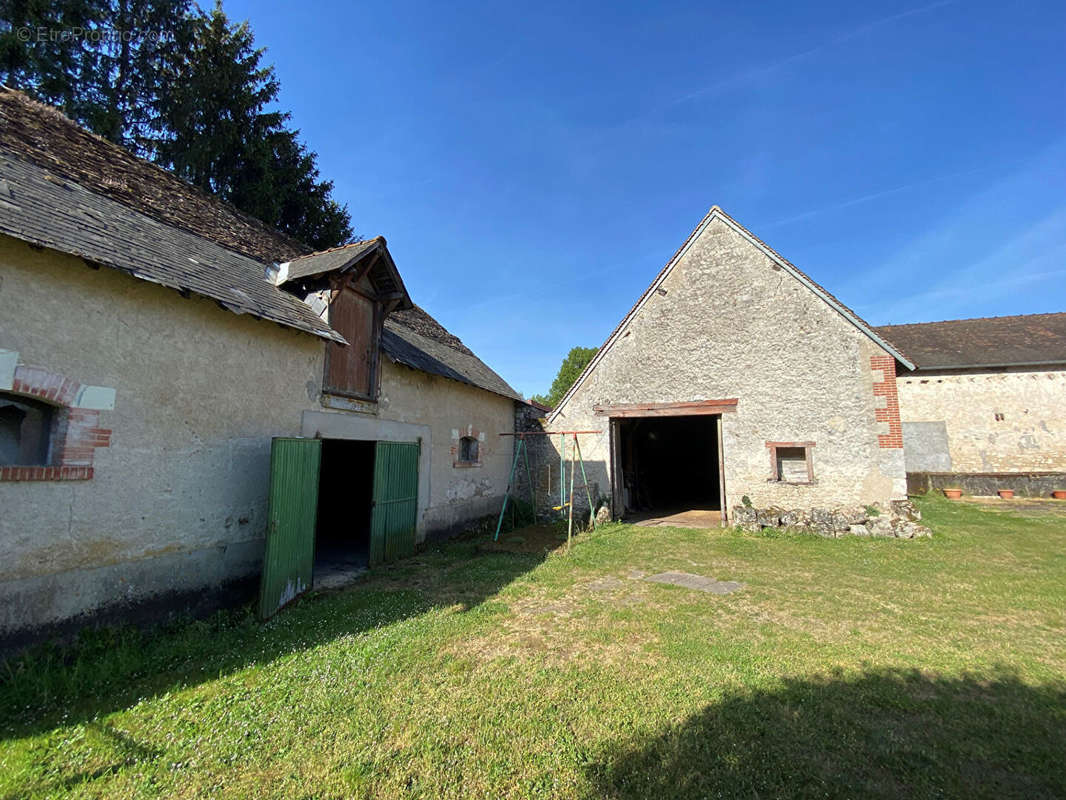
<point x="373" y="254"/>
<point x="43" y="209"/>
<point x="43" y="135"/>
<point x="437" y="352"/>
<point x="787" y="266"/>
<point x="335" y="258"/>
<point x="1026" y="340"/>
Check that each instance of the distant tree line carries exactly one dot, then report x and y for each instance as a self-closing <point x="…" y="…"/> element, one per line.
<point x="180" y="86"/>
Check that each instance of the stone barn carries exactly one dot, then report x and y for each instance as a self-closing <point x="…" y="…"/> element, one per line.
<point x="983" y="408"/>
<point x="737" y="384"/>
<point x="154" y="341"/>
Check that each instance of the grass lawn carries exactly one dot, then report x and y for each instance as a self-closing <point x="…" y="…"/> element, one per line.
<point x="843" y="668"/>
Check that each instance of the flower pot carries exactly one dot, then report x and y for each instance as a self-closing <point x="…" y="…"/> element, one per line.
<point x="1059" y="494"/>
<point x="1006" y="494"/>
<point x="952" y="494"/>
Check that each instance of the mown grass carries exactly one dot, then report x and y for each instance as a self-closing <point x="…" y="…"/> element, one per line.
<point x="843" y="668"/>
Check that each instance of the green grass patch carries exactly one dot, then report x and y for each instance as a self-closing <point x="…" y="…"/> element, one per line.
<point x="843" y="668"/>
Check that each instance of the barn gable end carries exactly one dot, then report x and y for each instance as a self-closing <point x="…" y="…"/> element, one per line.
<point x="729" y="320"/>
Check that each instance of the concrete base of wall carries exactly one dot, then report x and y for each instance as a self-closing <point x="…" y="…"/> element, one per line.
<point x="1024" y="484"/>
<point x="198" y="582"/>
<point x="444" y="522"/>
<point x="145" y="613"/>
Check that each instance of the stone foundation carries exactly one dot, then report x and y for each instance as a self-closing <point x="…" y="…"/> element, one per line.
<point x="900" y="520"/>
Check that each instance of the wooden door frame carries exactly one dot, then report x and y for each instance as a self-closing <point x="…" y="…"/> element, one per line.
<point x="615" y="451"/>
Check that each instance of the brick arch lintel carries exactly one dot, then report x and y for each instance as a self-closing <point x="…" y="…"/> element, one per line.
<point x="77" y="432"/>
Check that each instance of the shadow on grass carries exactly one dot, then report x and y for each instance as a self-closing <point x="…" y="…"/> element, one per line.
<point x="110" y="669"/>
<point x="884" y="734"/>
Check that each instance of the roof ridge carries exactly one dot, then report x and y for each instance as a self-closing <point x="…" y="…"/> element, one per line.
<point x="976" y="319"/>
<point x="431" y="342"/>
<point x="378" y="238"/>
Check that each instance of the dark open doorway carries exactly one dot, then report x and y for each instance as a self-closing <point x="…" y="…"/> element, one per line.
<point x="669" y="465"/>
<point x="345" y="494"/>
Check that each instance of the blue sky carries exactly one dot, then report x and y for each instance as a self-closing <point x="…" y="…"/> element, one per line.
<point x="533" y="165"/>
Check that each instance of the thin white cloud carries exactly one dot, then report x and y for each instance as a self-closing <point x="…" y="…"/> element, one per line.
<point x="855" y="201"/>
<point x="748" y="76"/>
<point x="1029" y="257"/>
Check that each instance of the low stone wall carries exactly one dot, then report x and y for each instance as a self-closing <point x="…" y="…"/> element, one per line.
<point x="1024" y="484"/>
<point x="900" y="520"/>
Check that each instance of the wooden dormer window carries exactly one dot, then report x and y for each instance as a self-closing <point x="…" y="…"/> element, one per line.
<point x="352" y="370"/>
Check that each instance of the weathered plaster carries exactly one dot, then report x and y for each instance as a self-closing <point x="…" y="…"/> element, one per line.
<point x="178" y="501"/>
<point x="733" y="324"/>
<point x="456" y="494"/>
<point x="1030" y="437"/>
<point x="200" y="391"/>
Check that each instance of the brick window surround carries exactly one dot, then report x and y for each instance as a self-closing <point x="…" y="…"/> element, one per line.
<point x="773" y="447"/>
<point x="76" y="432"/>
<point x="886" y="412"/>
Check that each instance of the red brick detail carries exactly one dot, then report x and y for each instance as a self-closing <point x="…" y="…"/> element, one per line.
<point x="77" y="431"/>
<point x="39" y="382"/>
<point x="890" y="412"/>
<point x="54" y="473"/>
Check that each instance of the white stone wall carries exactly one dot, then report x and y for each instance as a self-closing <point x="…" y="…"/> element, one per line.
<point x="1031" y="436"/>
<point x="733" y="325"/>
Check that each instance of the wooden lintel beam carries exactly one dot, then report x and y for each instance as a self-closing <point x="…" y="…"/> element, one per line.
<point x="693" y="408"/>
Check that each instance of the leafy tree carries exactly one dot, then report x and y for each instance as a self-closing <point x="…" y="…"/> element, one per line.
<point x="221" y="133"/>
<point x="572" y="367"/>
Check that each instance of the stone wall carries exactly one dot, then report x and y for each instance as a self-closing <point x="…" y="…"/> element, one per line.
<point x="899" y="520"/>
<point x="728" y="322"/>
<point x="1008" y="420"/>
<point x="176" y="501"/>
<point x="543" y="461"/>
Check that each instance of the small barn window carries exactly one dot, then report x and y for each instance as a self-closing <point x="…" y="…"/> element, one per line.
<point x="469" y="451"/>
<point x="25" y="431"/>
<point x="790" y="462"/>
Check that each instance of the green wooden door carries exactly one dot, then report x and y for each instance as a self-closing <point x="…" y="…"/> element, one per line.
<point x="290" y="536"/>
<point x="395" y="514"/>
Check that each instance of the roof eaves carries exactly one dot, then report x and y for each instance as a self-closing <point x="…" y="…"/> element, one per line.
<point x="990" y="365"/>
<point x="325" y="333"/>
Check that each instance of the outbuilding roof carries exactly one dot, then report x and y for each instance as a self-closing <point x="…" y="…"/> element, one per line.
<point x="372" y="255"/>
<point x="45" y="209"/>
<point x="1026" y="340"/>
<point x="44" y="136"/>
<point x="437" y="352"/>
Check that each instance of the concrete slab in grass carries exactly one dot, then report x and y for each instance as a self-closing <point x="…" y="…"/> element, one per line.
<point x="700" y="583"/>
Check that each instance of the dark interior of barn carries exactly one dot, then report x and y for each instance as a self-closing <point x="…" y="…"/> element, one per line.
<point x="345" y="492"/>
<point x="669" y="463"/>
